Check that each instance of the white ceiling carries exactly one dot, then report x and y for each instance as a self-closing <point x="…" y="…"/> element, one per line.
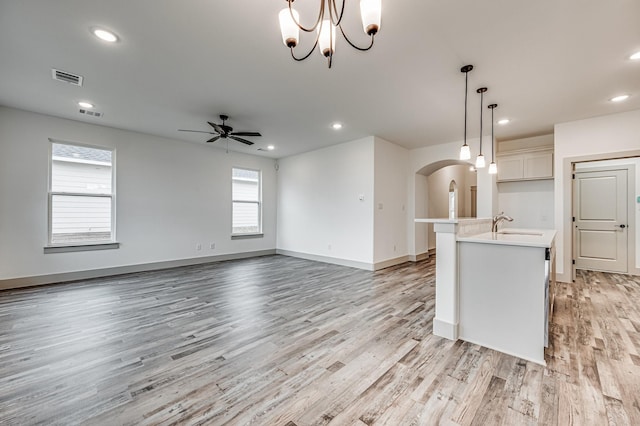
<point x="182" y="63"/>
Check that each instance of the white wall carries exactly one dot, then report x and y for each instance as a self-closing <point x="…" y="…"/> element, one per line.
<point x="390" y="201"/>
<point x="610" y="136"/>
<point x="529" y="203"/>
<point x="171" y="196"/>
<point x="319" y="210"/>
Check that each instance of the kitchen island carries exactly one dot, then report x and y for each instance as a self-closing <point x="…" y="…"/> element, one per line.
<point x="504" y="280"/>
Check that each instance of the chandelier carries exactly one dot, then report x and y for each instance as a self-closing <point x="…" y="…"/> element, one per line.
<point x="329" y="18"/>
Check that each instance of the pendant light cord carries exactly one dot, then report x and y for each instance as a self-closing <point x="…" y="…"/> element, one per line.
<point x="492" y="138"/>
<point x="481" y="103"/>
<point x="481" y="91"/>
<point x="466" y="94"/>
<point x="492" y="107"/>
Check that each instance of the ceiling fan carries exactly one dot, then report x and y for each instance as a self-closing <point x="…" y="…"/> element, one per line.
<point x="223" y="131"/>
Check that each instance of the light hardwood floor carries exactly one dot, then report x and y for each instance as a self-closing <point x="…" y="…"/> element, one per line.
<point x="283" y="341"/>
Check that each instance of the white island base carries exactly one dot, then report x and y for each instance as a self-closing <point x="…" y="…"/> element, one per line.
<point x="504" y="297"/>
<point x="492" y="289"/>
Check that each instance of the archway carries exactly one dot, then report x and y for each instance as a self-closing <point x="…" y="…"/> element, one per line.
<point x="443" y="189"/>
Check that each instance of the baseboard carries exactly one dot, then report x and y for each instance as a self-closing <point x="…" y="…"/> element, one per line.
<point x="327" y="259"/>
<point x="391" y="262"/>
<point x="418" y="257"/>
<point x="564" y="278"/>
<point x="13" y="283"/>
<point x="445" y="329"/>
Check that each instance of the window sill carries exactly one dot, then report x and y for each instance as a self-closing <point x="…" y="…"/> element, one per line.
<point x="80" y="247"/>
<point x="246" y="236"/>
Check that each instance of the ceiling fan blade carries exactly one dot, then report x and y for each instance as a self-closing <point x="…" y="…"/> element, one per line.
<point x="213" y="139"/>
<point x="216" y="127"/>
<point x="196" y="131"/>
<point x="245" y="133"/>
<point x="244" y="141"/>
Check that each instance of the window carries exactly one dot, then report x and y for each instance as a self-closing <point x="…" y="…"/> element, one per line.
<point x="246" y="195"/>
<point x="81" y="196"/>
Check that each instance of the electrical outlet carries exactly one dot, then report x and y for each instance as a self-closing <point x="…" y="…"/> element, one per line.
<point x="394" y="247"/>
<point x="329" y="246"/>
<point x="198" y="246"/>
<point x="212" y="246"/>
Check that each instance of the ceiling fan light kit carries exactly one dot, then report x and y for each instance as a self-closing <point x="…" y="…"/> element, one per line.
<point x="326" y="26"/>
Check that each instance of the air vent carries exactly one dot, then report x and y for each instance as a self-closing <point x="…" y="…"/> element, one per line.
<point x="66" y="77"/>
<point x="90" y="113"/>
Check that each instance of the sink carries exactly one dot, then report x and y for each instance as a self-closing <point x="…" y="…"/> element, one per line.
<point x="532" y="234"/>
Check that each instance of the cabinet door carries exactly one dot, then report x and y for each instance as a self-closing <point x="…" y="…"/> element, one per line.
<point x="510" y="168"/>
<point x="538" y="165"/>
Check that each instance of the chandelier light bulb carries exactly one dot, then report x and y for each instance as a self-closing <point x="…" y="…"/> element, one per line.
<point x="480" y="162"/>
<point x="288" y="27"/>
<point x="371" y="12"/>
<point x="493" y="168"/>
<point x="327" y="38"/>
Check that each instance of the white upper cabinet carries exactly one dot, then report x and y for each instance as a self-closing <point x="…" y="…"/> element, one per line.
<point x="525" y="165"/>
<point x="525" y="159"/>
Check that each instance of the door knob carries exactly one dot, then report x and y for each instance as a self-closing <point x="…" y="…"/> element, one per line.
<point x="622" y="226"/>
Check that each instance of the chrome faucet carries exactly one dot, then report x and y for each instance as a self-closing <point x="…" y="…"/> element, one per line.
<point x="499" y="218"/>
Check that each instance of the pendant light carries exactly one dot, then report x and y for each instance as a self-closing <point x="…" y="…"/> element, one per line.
<point x="480" y="158"/>
<point x="493" y="168"/>
<point x="465" y="152"/>
<point x="329" y="19"/>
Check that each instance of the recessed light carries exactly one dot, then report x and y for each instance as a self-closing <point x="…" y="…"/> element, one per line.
<point x="336" y="126"/>
<point x="635" y="56"/>
<point x="619" y="98"/>
<point x="84" y="104"/>
<point x="271" y="147"/>
<point x="503" y="121"/>
<point x="104" y="35"/>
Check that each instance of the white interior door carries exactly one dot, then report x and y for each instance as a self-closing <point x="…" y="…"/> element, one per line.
<point x="600" y="208"/>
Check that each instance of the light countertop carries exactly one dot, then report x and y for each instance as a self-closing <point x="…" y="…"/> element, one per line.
<point x="514" y="237"/>
<point x="447" y="220"/>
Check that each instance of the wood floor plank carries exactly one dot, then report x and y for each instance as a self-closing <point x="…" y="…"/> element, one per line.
<point x="282" y="341"/>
